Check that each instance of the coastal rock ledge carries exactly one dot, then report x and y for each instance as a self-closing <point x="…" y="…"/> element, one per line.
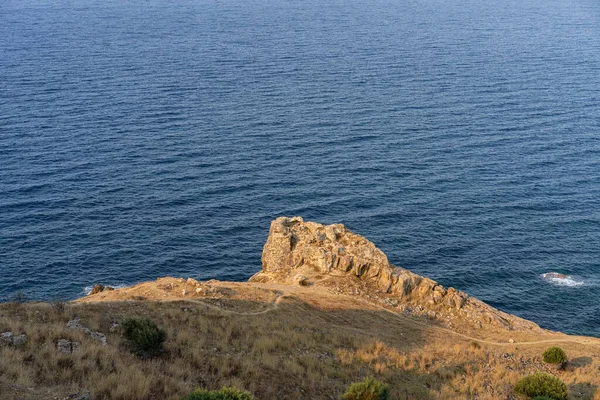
<point x="309" y="253"/>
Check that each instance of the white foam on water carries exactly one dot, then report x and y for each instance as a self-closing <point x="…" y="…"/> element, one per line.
<point x="561" y="280"/>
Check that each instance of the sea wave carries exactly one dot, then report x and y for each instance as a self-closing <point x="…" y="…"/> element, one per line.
<point x="559" y="279"/>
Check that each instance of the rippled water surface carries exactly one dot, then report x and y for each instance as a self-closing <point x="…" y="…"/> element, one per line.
<point x="147" y="138"/>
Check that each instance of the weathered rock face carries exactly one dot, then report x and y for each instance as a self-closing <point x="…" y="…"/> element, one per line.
<point x="10" y="339"/>
<point x="334" y="256"/>
<point x="98" y="288"/>
<point x="76" y="324"/>
<point x="66" y="346"/>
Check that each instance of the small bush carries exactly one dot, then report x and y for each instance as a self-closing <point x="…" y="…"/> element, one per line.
<point x="19" y="297"/>
<point x="555" y="355"/>
<point x="144" y="337"/>
<point x="369" y="389"/>
<point x="542" y="384"/>
<point x="58" y="304"/>
<point x="542" y="398"/>
<point x="221" y="394"/>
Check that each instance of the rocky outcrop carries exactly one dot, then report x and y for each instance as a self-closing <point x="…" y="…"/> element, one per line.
<point x="67" y="346"/>
<point x="76" y="324"/>
<point x="98" y="288"/>
<point x="335" y="257"/>
<point x="10" y="339"/>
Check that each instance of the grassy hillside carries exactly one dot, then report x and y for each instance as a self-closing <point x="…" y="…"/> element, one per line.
<point x="276" y="341"/>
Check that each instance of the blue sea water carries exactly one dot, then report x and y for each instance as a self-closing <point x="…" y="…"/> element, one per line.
<point x="144" y="138"/>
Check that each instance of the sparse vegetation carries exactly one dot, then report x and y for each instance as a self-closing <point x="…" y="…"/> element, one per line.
<point x="368" y="389"/>
<point x="19" y="297"/>
<point x="555" y="355"/>
<point x="143" y="336"/>
<point x="308" y="347"/>
<point x="225" y="393"/>
<point x="542" y="384"/>
<point x="58" y="304"/>
<point x="475" y="345"/>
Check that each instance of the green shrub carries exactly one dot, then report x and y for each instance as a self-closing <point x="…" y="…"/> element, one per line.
<point x="542" y="384"/>
<point x="542" y="398"/>
<point x="145" y="338"/>
<point x="555" y="355"/>
<point x="221" y="394"/>
<point x="369" y="389"/>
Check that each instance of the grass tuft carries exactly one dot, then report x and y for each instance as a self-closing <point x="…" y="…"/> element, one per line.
<point x="368" y="389"/>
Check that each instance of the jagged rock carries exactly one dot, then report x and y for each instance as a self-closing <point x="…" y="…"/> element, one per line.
<point x="97" y="289"/>
<point x="75" y="323"/>
<point x="555" y="275"/>
<point x="6" y="338"/>
<point x="334" y="256"/>
<point x="10" y="339"/>
<point x="67" y="346"/>
<point x="302" y="280"/>
<point x="100" y="337"/>
<point x="19" y="340"/>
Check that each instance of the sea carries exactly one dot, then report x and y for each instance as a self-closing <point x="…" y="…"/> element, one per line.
<point x="150" y="138"/>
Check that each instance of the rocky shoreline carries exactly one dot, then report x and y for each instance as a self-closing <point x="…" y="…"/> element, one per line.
<point x="299" y="253"/>
<point x="333" y="256"/>
<point x="326" y="307"/>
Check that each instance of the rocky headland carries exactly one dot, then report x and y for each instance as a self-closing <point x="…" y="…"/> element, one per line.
<point x="309" y="253"/>
<point x="326" y="308"/>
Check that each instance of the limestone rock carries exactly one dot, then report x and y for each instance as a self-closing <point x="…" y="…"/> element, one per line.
<point x="332" y="255"/>
<point x="75" y="323"/>
<point x="10" y="339"/>
<point x="19" y="340"/>
<point x="302" y="280"/>
<point x="6" y="338"/>
<point x="67" y="346"/>
<point x="555" y="275"/>
<point x="100" y="337"/>
<point x="97" y="289"/>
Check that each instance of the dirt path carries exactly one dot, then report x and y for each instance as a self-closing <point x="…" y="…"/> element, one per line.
<point x="284" y="292"/>
<point x="322" y="298"/>
<point x="274" y="305"/>
<point x="450" y="331"/>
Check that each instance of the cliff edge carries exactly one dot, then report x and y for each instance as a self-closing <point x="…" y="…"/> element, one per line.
<point x="327" y="307"/>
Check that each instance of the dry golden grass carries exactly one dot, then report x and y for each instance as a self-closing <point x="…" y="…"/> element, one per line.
<point x="303" y="347"/>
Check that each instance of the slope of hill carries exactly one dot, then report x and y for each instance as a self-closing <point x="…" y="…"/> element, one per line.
<point x="326" y="309"/>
